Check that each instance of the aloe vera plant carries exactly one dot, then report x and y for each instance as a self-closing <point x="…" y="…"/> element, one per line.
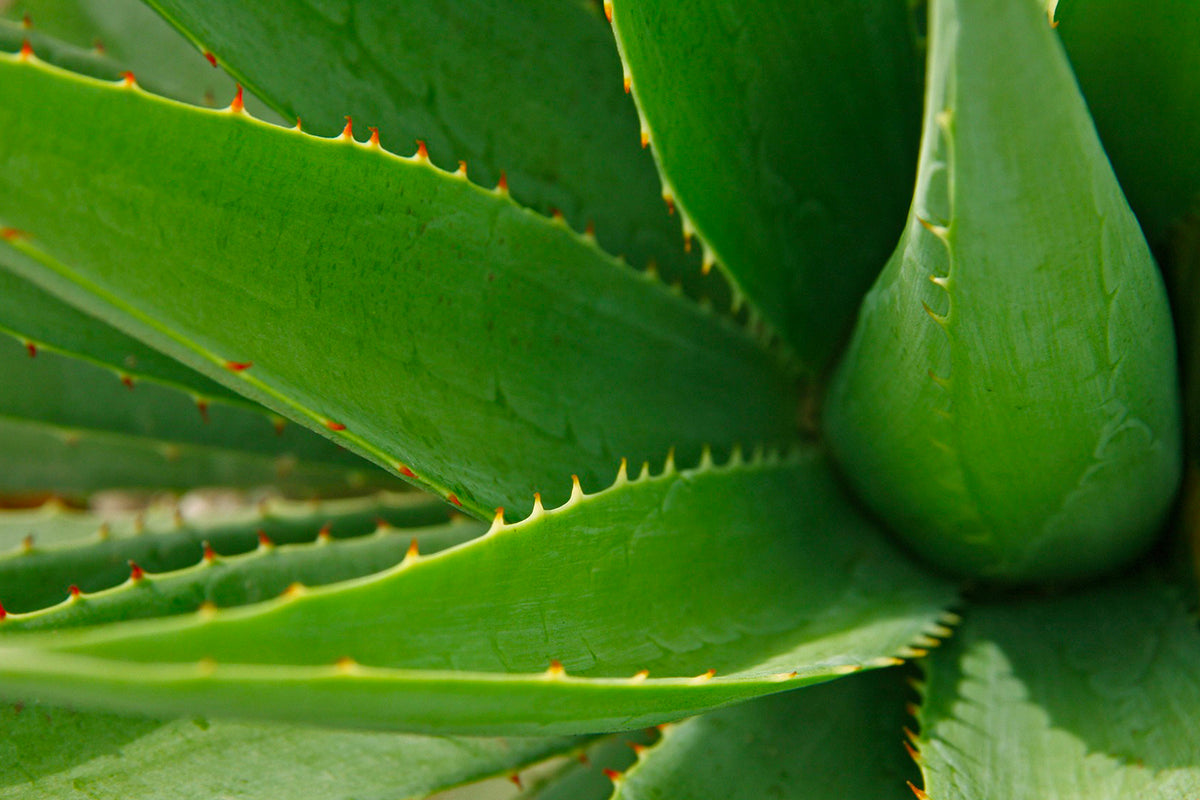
<point x="604" y="317"/>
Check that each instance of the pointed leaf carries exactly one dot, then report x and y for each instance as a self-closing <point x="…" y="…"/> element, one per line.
<point x="531" y="89"/>
<point x="840" y="740"/>
<point x="784" y="585"/>
<point x="38" y="573"/>
<point x="51" y="753"/>
<point x="788" y="146"/>
<point x="1091" y="696"/>
<point x="419" y="319"/>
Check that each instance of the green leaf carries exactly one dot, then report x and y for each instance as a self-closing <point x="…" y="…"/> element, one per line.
<point x="88" y="406"/>
<point x="1020" y="330"/>
<point x="38" y="573"/>
<point x="783" y="585"/>
<point x="1091" y="695"/>
<point x="49" y="753"/>
<point x="787" y="135"/>
<point x="488" y="350"/>
<point x="587" y="778"/>
<point x="1138" y="65"/>
<point x="839" y="740"/>
<point x="531" y="89"/>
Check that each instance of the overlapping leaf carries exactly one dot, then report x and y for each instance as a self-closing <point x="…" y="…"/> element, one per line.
<point x="425" y="322"/>
<point x="797" y="588"/>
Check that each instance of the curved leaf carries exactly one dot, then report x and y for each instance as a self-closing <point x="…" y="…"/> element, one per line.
<point x="797" y="588"/>
<point x="789" y="146"/>
<point x="1093" y="695"/>
<point x="841" y="739"/>
<point x="531" y="89"/>
<point x="427" y="323"/>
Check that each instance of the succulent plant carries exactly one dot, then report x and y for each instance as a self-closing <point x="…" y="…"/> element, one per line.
<point x="687" y="526"/>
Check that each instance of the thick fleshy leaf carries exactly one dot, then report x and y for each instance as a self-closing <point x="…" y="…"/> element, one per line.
<point x="1138" y="65"/>
<point x="530" y="88"/>
<point x="787" y="135"/>
<point x="588" y="778"/>
<point x="840" y="740"/>
<point x="41" y="570"/>
<point x="1093" y="696"/>
<point x="427" y="323"/>
<point x="54" y="393"/>
<point x="784" y="585"/>
<point x="49" y="753"/>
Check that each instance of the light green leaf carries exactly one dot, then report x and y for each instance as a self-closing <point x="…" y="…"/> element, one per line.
<point x="531" y="89"/>
<point x="49" y="753"/>
<point x="787" y="135"/>
<point x="839" y="740"/>
<point x="425" y="322"/>
<point x="1092" y="695"/>
<point x="783" y="585"/>
<point x="39" y="571"/>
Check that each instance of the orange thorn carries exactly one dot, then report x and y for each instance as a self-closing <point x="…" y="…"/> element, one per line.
<point x="555" y="670"/>
<point x="127" y="381"/>
<point x="238" y="104"/>
<point x="912" y="751"/>
<point x="612" y="775"/>
<point x="422" y="154"/>
<point x="608" y="10"/>
<point x="211" y="58"/>
<point x="11" y="234"/>
<point x="405" y="471"/>
<point x="414" y="549"/>
<point x="31" y="348"/>
<point x="99" y="47"/>
<point x="516" y="779"/>
<point x="920" y="793"/>
<point x="26" y="50"/>
<point x="670" y="201"/>
<point x="334" y="426"/>
<point x="374" y="140"/>
<point x="238" y="366"/>
<point x="210" y="555"/>
<point x="263" y="539"/>
<point x="299" y="124"/>
<point x="74" y="590"/>
<point x="590" y="230"/>
<point x="636" y="747"/>
<point x="136" y="573"/>
<point x="202" y="407"/>
<point x="453" y="498"/>
<point x="557" y="215"/>
<point x="348" y="131"/>
<point x="130" y="81"/>
<point x="645" y="139"/>
<point x="293" y="590"/>
<point x="687" y="243"/>
<point x="628" y="84"/>
<point x="502" y="184"/>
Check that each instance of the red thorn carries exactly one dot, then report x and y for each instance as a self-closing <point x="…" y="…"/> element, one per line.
<point x="583" y="759"/>
<point x="374" y="136"/>
<point x="334" y="426"/>
<point x="323" y="534"/>
<point x="26" y="50"/>
<point x="612" y="774"/>
<point x="210" y="57"/>
<point x="128" y="381"/>
<point x="462" y="168"/>
<point x="3" y="613"/>
<point x="422" y="153"/>
<point x="502" y="184"/>
<point x="238" y="366"/>
<point x="636" y="747"/>
<point x="918" y="792"/>
<point x="263" y="539"/>
<point x="238" y="105"/>
<point x="405" y="471"/>
<point x="210" y="555"/>
<point x="279" y="423"/>
<point x="453" y="498"/>
<point x="136" y="573"/>
<point x="557" y="215"/>
<point x="516" y="779"/>
<point x="348" y="131"/>
<point x="590" y="230"/>
<point x="73" y="590"/>
<point x="130" y="80"/>
<point x="670" y="201"/>
<point x="11" y="234"/>
<point x="31" y="348"/>
<point x="298" y="124"/>
<point x="202" y="407"/>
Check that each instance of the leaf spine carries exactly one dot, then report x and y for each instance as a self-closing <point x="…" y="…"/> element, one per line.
<point x="210" y="58"/>
<point x="422" y="154"/>
<point x="136" y="573"/>
<point x="26" y="53"/>
<point x="576" y="492"/>
<point x="608" y="11"/>
<point x="413" y="553"/>
<point x="920" y="793"/>
<point x="502" y="185"/>
<point x="703" y="677"/>
<point x="238" y="104"/>
<point x="348" y="131"/>
<point x="515" y="779"/>
<point x="555" y="670"/>
<point x="639" y="676"/>
<point x="497" y="522"/>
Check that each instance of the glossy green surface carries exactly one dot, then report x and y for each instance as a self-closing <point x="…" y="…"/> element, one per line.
<point x="1009" y="401"/>
<point x="786" y="133"/>
<point x="422" y="288"/>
